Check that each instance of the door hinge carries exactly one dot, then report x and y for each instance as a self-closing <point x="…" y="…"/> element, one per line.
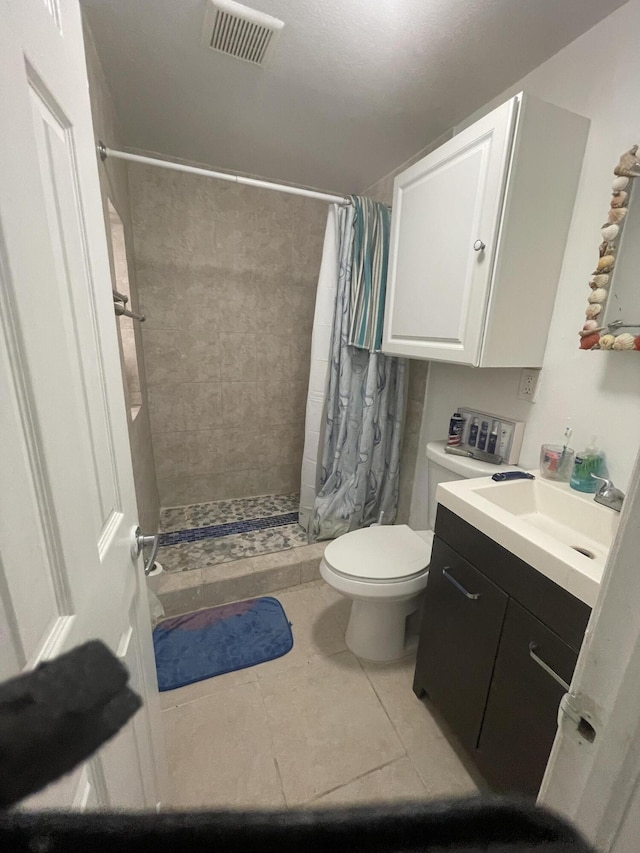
<point x="572" y="718"/>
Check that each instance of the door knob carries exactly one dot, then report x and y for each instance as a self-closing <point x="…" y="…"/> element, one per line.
<point x="139" y="542"/>
<point x="479" y="246"/>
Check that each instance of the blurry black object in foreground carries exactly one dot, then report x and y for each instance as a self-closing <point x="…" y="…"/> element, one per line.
<point x="489" y="825"/>
<point x="58" y="715"/>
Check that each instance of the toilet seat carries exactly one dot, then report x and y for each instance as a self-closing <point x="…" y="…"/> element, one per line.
<point x="380" y="554"/>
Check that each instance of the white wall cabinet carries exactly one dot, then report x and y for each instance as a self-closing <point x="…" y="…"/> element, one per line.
<point x="477" y="238"/>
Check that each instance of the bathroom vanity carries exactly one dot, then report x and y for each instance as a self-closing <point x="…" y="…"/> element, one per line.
<point x="498" y="645"/>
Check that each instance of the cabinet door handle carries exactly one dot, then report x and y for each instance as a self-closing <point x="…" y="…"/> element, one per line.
<point x="479" y="246"/>
<point x="474" y="596"/>
<point x="533" y="648"/>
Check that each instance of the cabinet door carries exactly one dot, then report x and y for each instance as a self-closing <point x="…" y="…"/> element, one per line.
<point x="521" y="718"/>
<point x="461" y="622"/>
<point x="438" y="284"/>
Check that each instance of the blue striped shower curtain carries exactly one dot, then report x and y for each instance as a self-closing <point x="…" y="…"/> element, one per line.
<point x="367" y="390"/>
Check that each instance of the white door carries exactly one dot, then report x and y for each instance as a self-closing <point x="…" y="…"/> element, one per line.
<point x="438" y="284"/>
<point x="593" y="775"/>
<point x="67" y="503"/>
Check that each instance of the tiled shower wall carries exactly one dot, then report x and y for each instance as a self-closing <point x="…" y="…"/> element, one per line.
<point x="227" y="277"/>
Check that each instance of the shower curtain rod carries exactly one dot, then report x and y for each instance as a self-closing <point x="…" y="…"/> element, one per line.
<point x="105" y="152"/>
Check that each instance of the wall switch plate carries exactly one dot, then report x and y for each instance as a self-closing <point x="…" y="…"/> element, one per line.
<point x="528" y="388"/>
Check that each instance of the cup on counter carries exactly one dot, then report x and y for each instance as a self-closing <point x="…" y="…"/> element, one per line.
<point x="556" y="462"/>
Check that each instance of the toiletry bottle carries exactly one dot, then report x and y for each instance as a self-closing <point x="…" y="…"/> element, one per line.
<point x="473" y="433"/>
<point x="504" y="445"/>
<point x="484" y="431"/>
<point x="589" y="461"/>
<point x="493" y="437"/>
<point x="456" y="425"/>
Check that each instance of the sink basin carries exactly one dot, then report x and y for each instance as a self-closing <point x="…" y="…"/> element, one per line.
<point x="580" y="524"/>
<point x="562" y="533"/>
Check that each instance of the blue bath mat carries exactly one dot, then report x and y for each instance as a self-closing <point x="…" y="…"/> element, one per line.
<point x="220" y="639"/>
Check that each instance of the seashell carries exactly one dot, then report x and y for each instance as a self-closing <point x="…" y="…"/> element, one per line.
<point x="601" y="280"/>
<point x="605" y="264"/>
<point x="590" y="326"/>
<point x="618" y="198"/>
<point x="598" y="295"/>
<point x="617" y="214"/>
<point x="629" y="165"/>
<point x="606" y="341"/>
<point x="609" y="231"/>
<point x="624" y="341"/>
<point x="606" y="248"/>
<point x="593" y="311"/>
<point x="590" y="341"/>
<point x="619" y="183"/>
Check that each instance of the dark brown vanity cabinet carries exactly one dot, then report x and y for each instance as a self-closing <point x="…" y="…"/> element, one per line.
<point x="498" y="646"/>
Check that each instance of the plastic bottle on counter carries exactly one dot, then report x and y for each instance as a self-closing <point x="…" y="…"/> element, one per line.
<point x="456" y="425"/>
<point x="587" y="462"/>
<point x="473" y="433"/>
<point x="493" y="438"/>
<point x="484" y="432"/>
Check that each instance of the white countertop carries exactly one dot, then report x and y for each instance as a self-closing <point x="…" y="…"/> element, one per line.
<point x="536" y="537"/>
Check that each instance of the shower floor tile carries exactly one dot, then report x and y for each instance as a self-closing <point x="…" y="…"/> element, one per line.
<point x="210" y="552"/>
<point x="213" y="548"/>
<point x="222" y="512"/>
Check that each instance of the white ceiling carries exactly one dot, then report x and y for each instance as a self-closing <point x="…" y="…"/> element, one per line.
<point x="355" y="87"/>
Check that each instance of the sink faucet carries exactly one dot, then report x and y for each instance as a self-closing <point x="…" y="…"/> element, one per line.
<point x="608" y="495"/>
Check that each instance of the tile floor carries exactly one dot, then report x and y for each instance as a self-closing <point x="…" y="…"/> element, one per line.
<point x="316" y="727"/>
<point x="213" y="549"/>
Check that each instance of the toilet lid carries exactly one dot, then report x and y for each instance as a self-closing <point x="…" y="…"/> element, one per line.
<point x="385" y="553"/>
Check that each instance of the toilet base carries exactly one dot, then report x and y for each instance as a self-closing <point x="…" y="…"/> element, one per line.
<point x="377" y="630"/>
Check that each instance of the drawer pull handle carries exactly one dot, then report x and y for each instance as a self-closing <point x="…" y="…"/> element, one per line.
<point x="474" y="596"/>
<point x="533" y="648"/>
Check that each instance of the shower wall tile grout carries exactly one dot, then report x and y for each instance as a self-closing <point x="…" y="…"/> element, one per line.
<point x="227" y="277"/>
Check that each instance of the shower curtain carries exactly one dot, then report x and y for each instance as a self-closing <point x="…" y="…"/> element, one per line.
<point x="319" y="372"/>
<point x="366" y="393"/>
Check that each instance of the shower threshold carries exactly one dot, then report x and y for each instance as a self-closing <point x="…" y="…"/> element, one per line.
<point x="232" y="550"/>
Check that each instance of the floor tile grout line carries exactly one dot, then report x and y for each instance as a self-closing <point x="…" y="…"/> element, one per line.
<point x="440" y="736"/>
<point x="387" y="714"/>
<point x="363" y="776"/>
<point x="310" y="660"/>
<point x="272" y="742"/>
<point x="207" y="695"/>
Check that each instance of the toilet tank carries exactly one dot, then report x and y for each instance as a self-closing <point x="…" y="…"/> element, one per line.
<point x="445" y="467"/>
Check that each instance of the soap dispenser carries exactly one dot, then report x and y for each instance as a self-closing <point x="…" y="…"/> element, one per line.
<point x="589" y="461"/>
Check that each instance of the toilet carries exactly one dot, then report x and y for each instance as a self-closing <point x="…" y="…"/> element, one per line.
<point x="383" y="569"/>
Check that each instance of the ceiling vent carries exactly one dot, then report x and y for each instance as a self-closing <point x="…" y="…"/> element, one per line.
<point x="239" y="31"/>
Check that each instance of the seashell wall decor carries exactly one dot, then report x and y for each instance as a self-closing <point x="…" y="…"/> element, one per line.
<point x="595" y="334"/>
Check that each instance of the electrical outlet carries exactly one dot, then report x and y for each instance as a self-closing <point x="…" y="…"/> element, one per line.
<point x="528" y="387"/>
